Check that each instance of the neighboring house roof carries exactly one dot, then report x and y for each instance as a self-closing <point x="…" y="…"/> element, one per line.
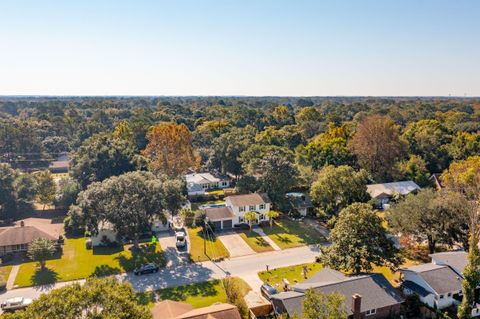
<point x="326" y="275"/>
<point x="248" y="199"/>
<point x="201" y="178"/>
<point x="436" y="179"/>
<point x="22" y="235"/>
<point x="389" y="189"/>
<point x="169" y="309"/>
<point x="194" y="188"/>
<point x="454" y="259"/>
<point x="217" y="311"/>
<point x="375" y="290"/>
<point x="218" y="213"/>
<point x="441" y="279"/>
<point x="59" y="165"/>
<point x="299" y="200"/>
<point x="416" y="288"/>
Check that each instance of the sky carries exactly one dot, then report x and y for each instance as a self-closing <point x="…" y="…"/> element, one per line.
<point x="243" y="47"/>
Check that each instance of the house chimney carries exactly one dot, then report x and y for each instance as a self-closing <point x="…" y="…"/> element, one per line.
<point x="356" y="306"/>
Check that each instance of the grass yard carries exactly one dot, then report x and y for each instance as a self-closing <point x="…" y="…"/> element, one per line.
<point x="215" y="248"/>
<point x="255" y="241"/>
<point x="218" y="192"/>
<point x="77" y="262"/>
<point x="198" y="295"/>
<point x="293" y="274"/>
<point x="288" y="234"/>
<point x="4" y="273"/>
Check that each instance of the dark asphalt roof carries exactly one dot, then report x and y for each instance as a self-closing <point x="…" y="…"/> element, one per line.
<point x="442" y="279"/>
<point x="325" y="275"/>
<point x="416" y="288"/>
<point x="375" y="290"/>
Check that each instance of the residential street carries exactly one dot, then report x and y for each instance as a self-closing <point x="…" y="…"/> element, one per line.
<point x="245" y="267"/>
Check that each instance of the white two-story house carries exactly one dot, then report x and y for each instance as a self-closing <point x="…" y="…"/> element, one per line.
<point x="236" y="207"/>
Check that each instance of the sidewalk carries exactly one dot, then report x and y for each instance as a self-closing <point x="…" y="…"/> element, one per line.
<point x="260" y="231"/>
<point x="12" y="276"/>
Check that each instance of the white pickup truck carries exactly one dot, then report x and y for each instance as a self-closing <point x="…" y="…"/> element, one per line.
<point x="17" y="303"/>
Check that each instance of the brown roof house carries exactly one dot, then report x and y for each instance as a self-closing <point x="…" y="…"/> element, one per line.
<point x="168" y="309"/>
<point x="17" y="239"/>
<point x="226" y="217"/>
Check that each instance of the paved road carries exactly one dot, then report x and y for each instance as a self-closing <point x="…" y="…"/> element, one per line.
<point x="172" y="254"/>
<point x="245" y="267"/>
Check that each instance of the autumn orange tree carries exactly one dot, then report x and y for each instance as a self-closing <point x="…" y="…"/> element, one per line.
<point x="377" y="145"/>
<point x="169" y="149"/>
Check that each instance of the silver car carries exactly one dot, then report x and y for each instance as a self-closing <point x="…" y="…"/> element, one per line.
<point x="17" y="303"/>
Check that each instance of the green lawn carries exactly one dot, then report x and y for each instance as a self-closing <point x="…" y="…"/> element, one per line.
<point x="293" y="274"/>
<point x="4" y="272"/>
<point x="198" y="295"/>
<point x="255" y="241"/>
<point x="288" y="234"/>
<point x="215" y="248"/>
<point x="77" y="262"/>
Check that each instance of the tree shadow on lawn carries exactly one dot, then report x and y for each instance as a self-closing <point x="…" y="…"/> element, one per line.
<point x="105" y="270"/>
<point x="143" y="255"/>
<point x="107" y="250"/>
<point x="258" y="239"/>
<point x="44" y="276"/>
<point x="181" y="293"/>
<point x="283" y="239"/>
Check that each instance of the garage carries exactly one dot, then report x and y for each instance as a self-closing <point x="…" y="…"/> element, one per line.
<point x="217" y="225"/>
<point x="227" y="224"/>
<point x="220" y="217"/>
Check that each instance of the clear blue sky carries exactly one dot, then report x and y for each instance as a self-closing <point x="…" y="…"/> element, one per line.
<point x="258" y="47"/>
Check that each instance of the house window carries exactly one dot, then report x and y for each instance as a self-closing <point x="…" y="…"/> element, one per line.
<point x="241" y="208"/>
<point x="441" y="296"/>
<point x="240" y="219"/>
<point x="252" y="207"/>
<point x="261" y="217"/>
<point x="371" y="312"/>
<point x="262" y="206"/>
<point x="449" y="294"/>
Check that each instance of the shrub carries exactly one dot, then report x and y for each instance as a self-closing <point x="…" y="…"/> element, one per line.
<point x="235" y="295"/>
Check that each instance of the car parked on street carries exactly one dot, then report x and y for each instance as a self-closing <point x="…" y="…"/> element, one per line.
<point x="268" y="291"/>
<point x="14" y="304"/>
<point x="146" y="269"/>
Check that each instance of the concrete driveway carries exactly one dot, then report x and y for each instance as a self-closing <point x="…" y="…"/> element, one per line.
<point x="174" y="256"/>
<point x="235" y="244"/>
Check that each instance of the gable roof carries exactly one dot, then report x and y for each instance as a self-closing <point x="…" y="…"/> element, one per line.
<point x="217" y="311"/>
<point x="169" y="309"/>
<point x="22" y="235"/>
<point x="440" y="278"/>
<point x="402" y="188"/>
<point x="218" y="213"/>
<point x="326" y="275"/>
<point x="248" y="199"/>
<point x="455" y="259"/>
<point x="375" y="290"/>
<point x="201" y="178"/>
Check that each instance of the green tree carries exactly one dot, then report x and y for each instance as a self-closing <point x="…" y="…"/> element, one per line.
<point x="26" y="191"/>
<point x="377" y="146"/>
<point x="250" y="218"/>
<point x="7" y="191"/>
<point x="471" y="276"/>
<point x="46" y="187"/>
<point x="40" y="250"/>
<point x="100" y="157"/>
<point x="271" y="215"/>
<point x="414" y="169"/>
<point x="323" y="306"/>
<point x="235" y="295"/>
<point x="67" y="192"/>
<point x="438" y="217"/>
<point x="95" y="299"/>
<point x="337" y="187"/>
<point x="276" y="175"/>
<point x="464" y="145"/>
<point x="129" y="202"/>
<point x="309" y="120"/>
<point x="428" y="139"/>
<point x="359" y="241"/>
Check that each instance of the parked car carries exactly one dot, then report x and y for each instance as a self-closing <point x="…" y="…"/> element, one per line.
<point x="268" y="291"/>
<point x="181" y="239"/>
<point x="17" y="303"/>
<point x="146" y="269"/>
